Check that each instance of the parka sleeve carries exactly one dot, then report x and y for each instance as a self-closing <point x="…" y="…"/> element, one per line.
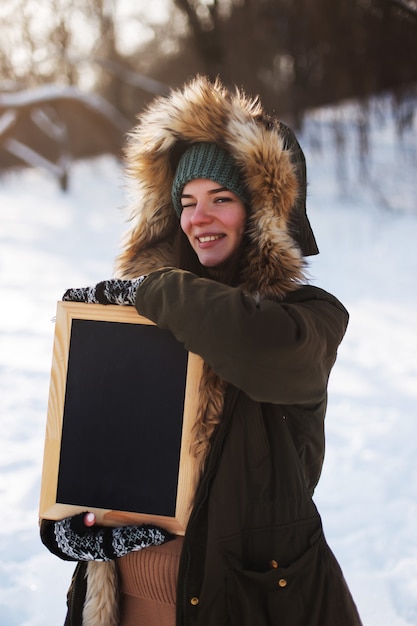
<point x="280" y="352"/>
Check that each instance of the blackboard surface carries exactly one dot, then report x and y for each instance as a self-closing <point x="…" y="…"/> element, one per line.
<point x="122" y="427"/>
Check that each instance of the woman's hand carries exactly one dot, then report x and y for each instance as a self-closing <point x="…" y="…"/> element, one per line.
<point x="113" y="291"/>
<point x="78" y="538"/>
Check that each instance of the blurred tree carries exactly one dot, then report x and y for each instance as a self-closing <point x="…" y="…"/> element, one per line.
<point x="305" y="53"/>
<point x="296" y="54"/>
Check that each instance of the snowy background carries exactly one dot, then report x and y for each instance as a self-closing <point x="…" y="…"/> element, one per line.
<point x="367" y="234"/>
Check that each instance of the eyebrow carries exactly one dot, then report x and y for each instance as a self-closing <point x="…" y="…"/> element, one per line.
<point x="211" y="191"/>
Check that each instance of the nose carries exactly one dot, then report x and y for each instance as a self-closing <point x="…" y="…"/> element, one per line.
<point x="201" y="213"/>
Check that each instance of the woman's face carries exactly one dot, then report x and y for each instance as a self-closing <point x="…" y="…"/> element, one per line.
<point x="213" y="218"/>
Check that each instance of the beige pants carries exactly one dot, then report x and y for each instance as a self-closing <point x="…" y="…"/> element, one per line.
<point x="148" y="581"/>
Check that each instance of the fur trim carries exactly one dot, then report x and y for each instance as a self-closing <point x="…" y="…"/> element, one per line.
<point x="211" y="401"/>
<point x="205" y="111"/>
<point x="101" y="601"/>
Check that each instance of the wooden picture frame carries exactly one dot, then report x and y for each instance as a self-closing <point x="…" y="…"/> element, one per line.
<point x="122" y="402"/>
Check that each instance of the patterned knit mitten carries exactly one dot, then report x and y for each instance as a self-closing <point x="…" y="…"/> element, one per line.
<point x="71" y="540"/>
<point x="113" y="291"/>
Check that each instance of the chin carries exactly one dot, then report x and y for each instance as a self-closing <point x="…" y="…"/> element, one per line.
<point x="211" y="263"/>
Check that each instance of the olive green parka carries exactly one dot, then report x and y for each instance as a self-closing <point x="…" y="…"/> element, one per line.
<point x="254" y="551"/>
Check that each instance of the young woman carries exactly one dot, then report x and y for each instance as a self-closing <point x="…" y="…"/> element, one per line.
<point x="216" y="253"/>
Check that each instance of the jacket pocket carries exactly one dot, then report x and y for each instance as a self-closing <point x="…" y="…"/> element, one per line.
<point x="306" y="590"/>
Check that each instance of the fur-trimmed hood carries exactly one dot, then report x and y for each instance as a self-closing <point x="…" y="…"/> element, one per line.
<point x="272" y="166"/>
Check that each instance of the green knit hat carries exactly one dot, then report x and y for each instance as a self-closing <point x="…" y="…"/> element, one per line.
<point x="209" y="161"/>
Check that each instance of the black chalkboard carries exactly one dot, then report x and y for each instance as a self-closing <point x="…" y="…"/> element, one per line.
<point x="121" y="426"/>
<point x="122" y="401"/>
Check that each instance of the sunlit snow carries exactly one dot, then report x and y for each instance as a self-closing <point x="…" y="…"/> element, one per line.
<point x="367" y="236"/>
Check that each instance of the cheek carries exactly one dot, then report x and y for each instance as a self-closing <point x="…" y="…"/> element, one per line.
<point x="184" y="223"/>
<point x="240" y="222"/>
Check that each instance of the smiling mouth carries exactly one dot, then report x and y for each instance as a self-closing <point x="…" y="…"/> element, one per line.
<point x="208" y="238"/>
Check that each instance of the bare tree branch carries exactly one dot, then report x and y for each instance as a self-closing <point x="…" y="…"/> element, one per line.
<point x="411" y="9"/>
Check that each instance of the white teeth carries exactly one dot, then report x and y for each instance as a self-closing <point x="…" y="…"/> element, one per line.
<point x="209" y="238"/>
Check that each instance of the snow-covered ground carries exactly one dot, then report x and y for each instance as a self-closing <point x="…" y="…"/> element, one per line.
<point x="367" y="235"/>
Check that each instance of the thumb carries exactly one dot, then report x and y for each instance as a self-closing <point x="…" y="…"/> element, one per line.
<point x="81" y="523"/>
<point x="89" y="519"/>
